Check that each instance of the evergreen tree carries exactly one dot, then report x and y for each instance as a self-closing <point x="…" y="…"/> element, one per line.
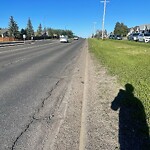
<point x="117" y="29"/>
<point x="29" y="29"/>
<point x="13" y="28"/>
<point x="39" y="30"/>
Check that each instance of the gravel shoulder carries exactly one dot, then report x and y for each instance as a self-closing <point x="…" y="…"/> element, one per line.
<point x="89" y="122"/>
<point x="102" y="121"/>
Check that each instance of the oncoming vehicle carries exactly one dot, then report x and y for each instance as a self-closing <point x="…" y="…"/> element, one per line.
<point x="63" y="39"/>
<point x="75" y="38"/>
<point x="144" y="37"/>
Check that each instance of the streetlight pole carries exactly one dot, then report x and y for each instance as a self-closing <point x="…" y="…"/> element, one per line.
<point x="103" y="22"/>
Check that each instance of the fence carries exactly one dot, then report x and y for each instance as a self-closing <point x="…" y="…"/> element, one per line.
<point x="7" y="39"/>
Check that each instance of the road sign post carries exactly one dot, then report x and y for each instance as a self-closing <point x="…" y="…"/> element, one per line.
<point x="24" y="38"/>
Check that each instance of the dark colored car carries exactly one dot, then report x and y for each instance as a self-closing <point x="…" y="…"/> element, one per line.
<point x="118" y="37"/>
<point x="111" y="37"/>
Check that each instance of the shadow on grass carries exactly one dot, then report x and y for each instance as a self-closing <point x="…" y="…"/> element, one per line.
<point x="133" y="128"/>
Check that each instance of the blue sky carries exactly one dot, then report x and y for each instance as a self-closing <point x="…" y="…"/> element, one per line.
<point x="78" y="16"/>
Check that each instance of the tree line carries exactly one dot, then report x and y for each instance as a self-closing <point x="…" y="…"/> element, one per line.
<point x="119" y="29"/>
<point x="13" y="31"/>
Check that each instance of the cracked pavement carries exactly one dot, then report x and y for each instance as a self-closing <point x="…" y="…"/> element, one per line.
<point x="55" y="97"/>
<point x="34" y="86"/>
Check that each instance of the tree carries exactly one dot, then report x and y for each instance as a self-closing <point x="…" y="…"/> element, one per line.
<point x="39" y="30"/>
<point x="13" y="28"/>
<point x="50" y="32"/>
<point x="58" y="32"/>
<point x="121" y="29"/>
<point x="99" y="34"/>
<point x="69" y="33"/>
<point x="146" y="29"/>
<point x="124" y="29"/>
<point x="29" y="29"/>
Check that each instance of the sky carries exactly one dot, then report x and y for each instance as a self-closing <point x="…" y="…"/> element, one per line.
<point x="83" y="17"/>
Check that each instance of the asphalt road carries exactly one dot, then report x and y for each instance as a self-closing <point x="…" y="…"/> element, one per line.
<point x="28" y="75"/>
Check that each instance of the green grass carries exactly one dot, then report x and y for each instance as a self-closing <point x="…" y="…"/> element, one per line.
<point x="130" y="62"/>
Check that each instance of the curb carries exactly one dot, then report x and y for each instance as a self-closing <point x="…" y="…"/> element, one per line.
<point x="5" y="44"/>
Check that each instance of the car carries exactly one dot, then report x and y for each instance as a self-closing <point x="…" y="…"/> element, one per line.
<point x="133" y="37"/>
<point x="111" y="36"/>
<point x="118" y="37"/>
<point x="76" y="38"/>
<point x="63" y="39"/>
<point x="144" y="37"/>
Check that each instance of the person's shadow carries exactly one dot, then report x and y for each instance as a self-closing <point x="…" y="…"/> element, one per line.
<point x="133" y="127"/>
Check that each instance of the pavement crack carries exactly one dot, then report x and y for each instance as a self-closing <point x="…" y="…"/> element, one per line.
<point x="33" y="117"/>
<point x="49" y="94"/>
<point x="27" y="127"/>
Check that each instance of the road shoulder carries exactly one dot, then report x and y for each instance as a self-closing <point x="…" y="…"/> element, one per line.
<point x="89" y="122"/>
<point x="102" y="121"/>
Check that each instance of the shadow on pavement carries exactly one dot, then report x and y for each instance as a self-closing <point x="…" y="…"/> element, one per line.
<point x="133" y="128"/>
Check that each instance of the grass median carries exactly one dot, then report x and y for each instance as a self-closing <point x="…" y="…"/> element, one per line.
<point x="130" y="62"/>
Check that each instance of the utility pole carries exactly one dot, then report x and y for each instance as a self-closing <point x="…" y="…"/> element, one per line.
<point x="94" y="31"/>
<point x="44" y="27"/>
<point x="103" y="22"/>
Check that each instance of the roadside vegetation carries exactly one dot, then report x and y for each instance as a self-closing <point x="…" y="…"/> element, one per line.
<point x="41" y="33"/>
<point x="129" y="62"/>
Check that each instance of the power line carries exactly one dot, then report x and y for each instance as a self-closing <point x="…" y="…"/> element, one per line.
<point x="103" y="22"/>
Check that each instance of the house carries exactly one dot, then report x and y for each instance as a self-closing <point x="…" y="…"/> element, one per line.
<point x="145" y="28"/>
<point x="140" y="29"/>
<point x="4" y="35"/>
<point x="4" y="32"/>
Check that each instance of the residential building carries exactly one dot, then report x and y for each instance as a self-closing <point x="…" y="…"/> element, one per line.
<point x="140" y="29"/>
<point x="4" y="32"/>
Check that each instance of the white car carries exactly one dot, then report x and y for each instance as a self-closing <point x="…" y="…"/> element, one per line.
<point x="64" y="39"/>
<point x="144" y="37"/>
<point x="75" y="38"/>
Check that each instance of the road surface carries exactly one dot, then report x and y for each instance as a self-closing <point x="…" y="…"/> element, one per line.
<point x="34" y="79"/>
<point x="55" y="96"/>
